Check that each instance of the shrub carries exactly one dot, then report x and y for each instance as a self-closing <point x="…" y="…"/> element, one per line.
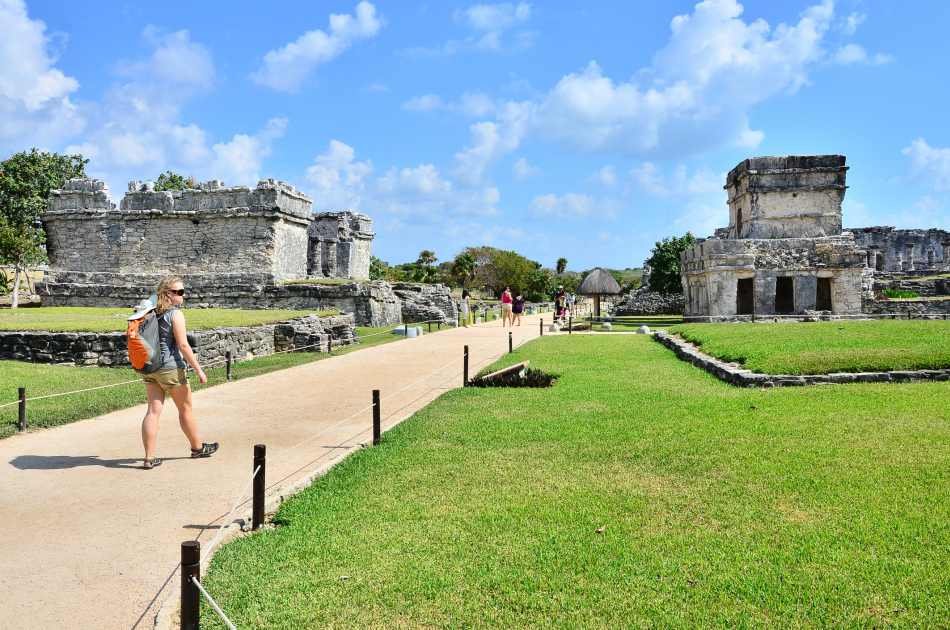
<point x="897" y="294"/>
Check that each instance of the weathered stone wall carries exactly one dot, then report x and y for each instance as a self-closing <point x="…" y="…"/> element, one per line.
<point x="712" y="268"/>
<point x="642" y="301"/>
<point x="923" y="285"/>
<point x="371" y="303"/>
<point x="911" y="309"/>
<point x="340" y="245"/>
<point x="426" y="302"/>
<point x="890" y="249"/>
<point x="212" y="230"/>
<point x="109" y="349"/>
<point x="786" y="197"/>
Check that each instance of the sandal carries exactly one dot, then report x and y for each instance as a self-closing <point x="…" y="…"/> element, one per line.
<point x="207" y="449"/>
<point x="149" y="464"/>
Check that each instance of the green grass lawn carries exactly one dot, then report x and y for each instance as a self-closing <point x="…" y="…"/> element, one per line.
<point x="638" y="491"/>
<point x="96" y="319"/>
<point x="824" y="347"/>
<point x="40" y="380"/>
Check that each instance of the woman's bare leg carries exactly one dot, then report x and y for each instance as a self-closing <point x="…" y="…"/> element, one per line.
<point x="186" y="417"/>
<point x="156" y="400"/>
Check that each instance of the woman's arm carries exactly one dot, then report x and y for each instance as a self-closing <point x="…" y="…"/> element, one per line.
<point x="181" y="339"/>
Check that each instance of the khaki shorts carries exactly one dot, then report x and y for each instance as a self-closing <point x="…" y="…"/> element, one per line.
<point x="167" y="379"/>
<point x="506" y="307"/>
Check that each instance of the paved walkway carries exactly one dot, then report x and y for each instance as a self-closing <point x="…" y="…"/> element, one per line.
<point x="90" y="540"/>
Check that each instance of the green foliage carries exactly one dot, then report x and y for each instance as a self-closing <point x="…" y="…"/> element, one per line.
<point x="5" y="286"/>
<point x="561" y="265"/>
<point x="463" y="268"/>
<point x="170" y="180"/>
<point x="378" y="268"/>
<point x="26" y="179"/>
<point x="900" y="294"/>
<point x="665" y="263"/>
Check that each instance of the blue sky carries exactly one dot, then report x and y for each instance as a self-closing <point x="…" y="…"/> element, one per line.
<point x="556" y="129"/>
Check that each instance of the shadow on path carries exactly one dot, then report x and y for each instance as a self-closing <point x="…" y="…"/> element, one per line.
<point x="58" y="462"/>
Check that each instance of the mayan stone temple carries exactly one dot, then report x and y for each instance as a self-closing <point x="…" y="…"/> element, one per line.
<point x="237" y="246"/>
<point x="784" y="251"/>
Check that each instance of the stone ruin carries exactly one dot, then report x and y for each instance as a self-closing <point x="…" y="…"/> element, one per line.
<point x="890" y="250"/>
<point x="236" y="247"/>
<point x="784" y="252"/>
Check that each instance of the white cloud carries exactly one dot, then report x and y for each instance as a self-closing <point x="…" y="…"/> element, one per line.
<point x="493" y="28"/>
<point x="567" y="205"/>
<point x="474" y="104"/>
<point x="35" y="105"/>
<point x="240" y="159"/>
<point x="285" y="69"/>
<point x="424" y="103"/>
<point x="606" y="176"/>
<point x="931" y="163"/>
<point x="337" y="179"/>
<point x="174" y="60"/>
<point x="852" y="22"/>
<point x="523" y="170"/>
<point x="681" y="183"/>
<point x="491" y="140"/>
<point x="850" y="54"/>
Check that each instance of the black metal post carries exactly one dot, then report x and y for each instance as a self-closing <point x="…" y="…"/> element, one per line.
<point x="377" y="419"/>
<point x="406" y="330"/>
<point x="21" y="393"/>
<point x="570" y="324"/>
<point x="465" y="367"/>
<point x="511" y="346"/>
<point x="329" y="344"/>
<point x="190" y="597"/>
<point x="260" y="460"/>
<point x="227" y="365"/>
<point x="430" y="325"/>
<point x="542" y="327"/>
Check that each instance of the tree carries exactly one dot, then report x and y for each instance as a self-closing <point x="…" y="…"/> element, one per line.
<point x="25" y="181"/>
<point x="170" y="180"/>
<point x="463" y="268"/>
<point x="377" y="268"/>
<point x="665" y="263"/>
<point x="426" y="258"/>
<point x="561" y="265"/>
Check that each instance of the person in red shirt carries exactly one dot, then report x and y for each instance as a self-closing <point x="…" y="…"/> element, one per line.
<point x="506" y="307"/>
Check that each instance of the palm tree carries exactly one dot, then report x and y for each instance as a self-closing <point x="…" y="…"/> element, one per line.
<point x="463" y="267"/>
<point x="561" y="265"/>
<point x="426" y="258"/>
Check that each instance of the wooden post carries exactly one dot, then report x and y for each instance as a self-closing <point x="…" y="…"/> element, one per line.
<point x="227" y="365"/>
<point x="190" y="597"/>
<point x="21" y="416"/>
<point x="465" y="367"/>
<point x="377" y="419"/>
<point x="511" y="347"/>
<point x="570" y="324"/>
<point x="542" y="326"/>
<point x="260" y="460"/>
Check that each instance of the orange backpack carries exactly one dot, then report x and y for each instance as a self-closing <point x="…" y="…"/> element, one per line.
<point x="142" y="340"/>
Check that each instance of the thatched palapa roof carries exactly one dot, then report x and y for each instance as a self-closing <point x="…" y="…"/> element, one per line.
<point x="599" y="282"/>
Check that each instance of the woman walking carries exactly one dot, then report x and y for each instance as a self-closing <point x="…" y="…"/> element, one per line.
<point x="463" y="308"/>
<point x="170" y="378"/>
<point x="506" y="307"/>
<point x="517" y="308"/>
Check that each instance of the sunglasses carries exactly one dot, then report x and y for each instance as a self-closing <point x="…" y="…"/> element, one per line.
<point x="179" y="292"/>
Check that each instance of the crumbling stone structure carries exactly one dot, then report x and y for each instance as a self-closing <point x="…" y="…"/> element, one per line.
<point x="236" y="247"/>
<point x="339" y="245"/>
<point x="784" y="252"/>
<point x="892" y="250"/>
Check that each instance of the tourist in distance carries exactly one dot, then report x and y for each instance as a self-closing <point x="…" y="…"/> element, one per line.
<point x="506" y="307"/>
<point x="463" y="307"/>
<point x="517" y="308"/>
<point x="170" y="378"/>
<point x="559" y="300"/>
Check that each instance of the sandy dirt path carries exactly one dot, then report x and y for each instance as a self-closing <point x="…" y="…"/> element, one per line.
<point x="90" y="540"/>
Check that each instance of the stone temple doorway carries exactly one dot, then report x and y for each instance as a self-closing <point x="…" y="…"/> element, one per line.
<point x="823" y="295"/>
<point x="745" y="296"/>
<point x="785" y="295"/>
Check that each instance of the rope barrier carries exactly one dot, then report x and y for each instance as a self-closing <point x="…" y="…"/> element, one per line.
<point x="214" y="604"/>
<point x="241" y="500"/>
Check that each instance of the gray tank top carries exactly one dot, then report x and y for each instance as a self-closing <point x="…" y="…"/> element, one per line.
<point x="171" y="355"/>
